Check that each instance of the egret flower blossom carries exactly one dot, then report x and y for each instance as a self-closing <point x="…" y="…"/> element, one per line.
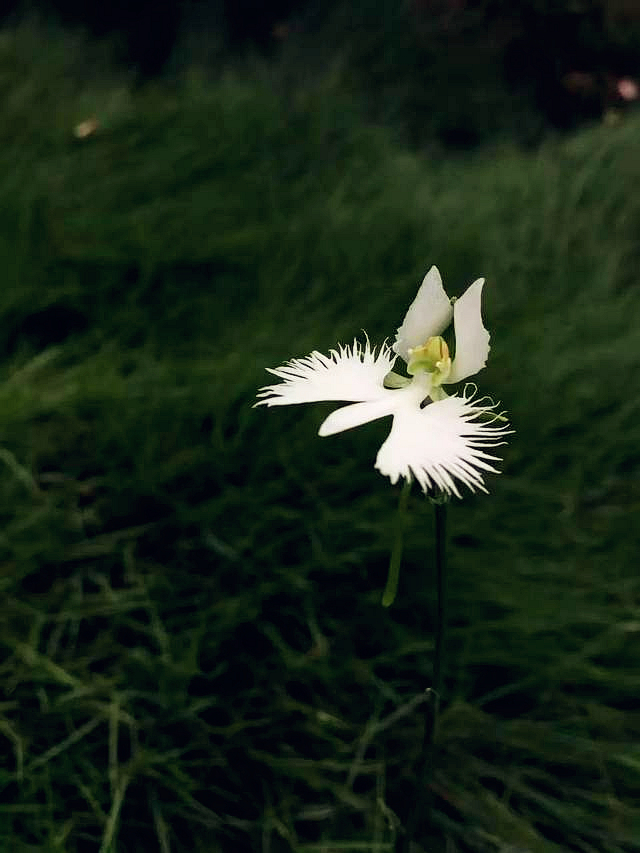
<point x="436" y="439"/>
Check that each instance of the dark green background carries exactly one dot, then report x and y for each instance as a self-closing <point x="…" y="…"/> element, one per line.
<point x="194" y="655"/>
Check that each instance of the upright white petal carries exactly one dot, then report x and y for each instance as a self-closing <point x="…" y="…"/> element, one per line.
<point x="442" y="445"/>
<point x="429" y="315"/>
<point x="472" y="339"/>
<point x="349" y="373"/>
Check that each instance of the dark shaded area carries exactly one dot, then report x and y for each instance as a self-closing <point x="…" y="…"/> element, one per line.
<point x="44" y="327"/>
<point x="575" y="58"/>
<point x="143" y="31"/>
<point x="253" y="22"/>
<point x="458" y="72"/>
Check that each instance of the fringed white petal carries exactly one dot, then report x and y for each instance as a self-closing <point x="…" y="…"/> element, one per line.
<point x="351" y="374"/>
<point x="443" y="444"/>
<point x="429" y="314"/>
<point x="472" y="339"/>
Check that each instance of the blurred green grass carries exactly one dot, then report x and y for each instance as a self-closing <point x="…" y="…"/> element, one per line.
<point x="194" y="656"/>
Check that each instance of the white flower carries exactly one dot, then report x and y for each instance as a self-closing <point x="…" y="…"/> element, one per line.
<point x="435" y="438"/>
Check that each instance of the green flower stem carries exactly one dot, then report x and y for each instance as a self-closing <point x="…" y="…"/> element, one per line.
<point x="404" y="843"/>
<point x="441" y="568"/>
<point x="389" y="595"/>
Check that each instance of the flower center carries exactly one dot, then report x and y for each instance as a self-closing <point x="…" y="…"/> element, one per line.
<point x="431" y="357"/>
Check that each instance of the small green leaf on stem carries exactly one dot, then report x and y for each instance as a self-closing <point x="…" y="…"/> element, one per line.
<point x="396" y="552"/>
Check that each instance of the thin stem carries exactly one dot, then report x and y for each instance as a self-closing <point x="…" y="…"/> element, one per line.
<point x="441" y="571"/>
<point x="422" y="796"/>
<point x="391" y="588"/>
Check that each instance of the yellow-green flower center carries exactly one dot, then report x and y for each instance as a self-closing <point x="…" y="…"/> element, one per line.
<point x="431" y="357"/>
